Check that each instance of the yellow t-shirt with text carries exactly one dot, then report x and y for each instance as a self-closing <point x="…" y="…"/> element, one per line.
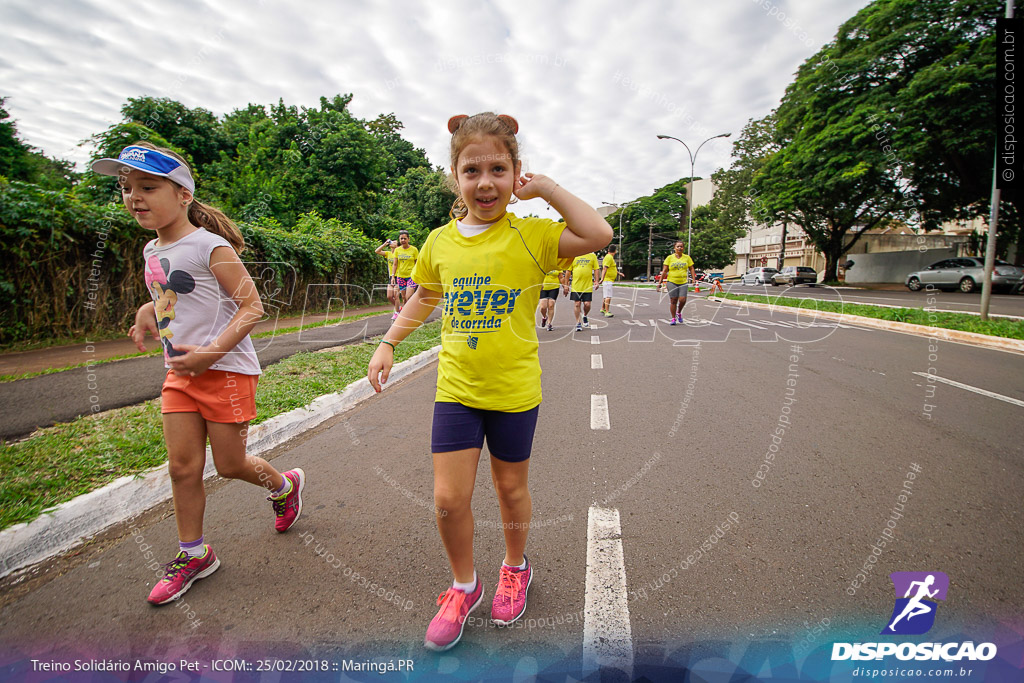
<point x="551" y="279"/>
<point x="678" y="268"/>
<point x="490" y="284"/>
<point x="612" y="272"/>
<point x="390" y="256"/>
<point x="405" y="260"/>
<point x="583" y="268"/>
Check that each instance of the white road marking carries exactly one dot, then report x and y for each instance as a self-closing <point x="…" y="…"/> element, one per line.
<point x="596" y="362"/>
<point x="599" y="412"/>
<point x="743" y="322"/>
<point x="595" y="340"/>
<point x="607" y="637"/>
<point x="968" y="387"/>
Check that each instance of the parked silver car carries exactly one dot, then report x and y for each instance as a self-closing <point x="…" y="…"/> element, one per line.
<point x="795" y="275"/>
<point x="758" y="276"/>
<point x="965" y="273"/>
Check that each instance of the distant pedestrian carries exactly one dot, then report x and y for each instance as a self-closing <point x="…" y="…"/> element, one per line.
<point x="405" y="261"/>
<point x="554" y="280"/>
<point x="674" y="272"/>
<point x="487" y="266"/>
<point x="581" y="292"/>
<point x="608" y="274"/>
<point x="204" y="305"/>
<point x="394" y="296"/>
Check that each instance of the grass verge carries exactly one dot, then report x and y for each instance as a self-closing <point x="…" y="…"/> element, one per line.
<point x="157" y="351"/>
<point x="66" y="460"/>
<point x="995" y="327"/>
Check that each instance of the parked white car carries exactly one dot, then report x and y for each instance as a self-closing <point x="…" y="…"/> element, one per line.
<point x="758" y="276"/>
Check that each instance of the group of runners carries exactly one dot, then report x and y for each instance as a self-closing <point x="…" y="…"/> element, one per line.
<point x="578" y="282"/>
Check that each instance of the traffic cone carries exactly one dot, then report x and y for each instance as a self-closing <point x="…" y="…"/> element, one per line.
<point x="698" y="288"/>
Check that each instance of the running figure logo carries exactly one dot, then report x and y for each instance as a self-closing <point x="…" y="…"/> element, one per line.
<point x="914" y="613"/>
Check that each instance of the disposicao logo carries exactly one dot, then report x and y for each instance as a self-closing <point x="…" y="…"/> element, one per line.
<point x="914" y="612"/>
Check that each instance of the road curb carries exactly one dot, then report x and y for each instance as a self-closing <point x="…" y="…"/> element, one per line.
<point x="71" y="523"/>
<point x="940" y="333"/>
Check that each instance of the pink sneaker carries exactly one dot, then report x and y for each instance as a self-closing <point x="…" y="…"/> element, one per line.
<point x="180" y="573"/>
<point x="289" y="508"/>
<point x="445" y="628"/>
<point x="510" y="597"/>
<point x="394" y="316"/>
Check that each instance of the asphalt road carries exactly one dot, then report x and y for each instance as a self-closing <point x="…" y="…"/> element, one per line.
<point x="28" y="404"/>
<point x="690" y="427"/>
<point x="956" y="302"/>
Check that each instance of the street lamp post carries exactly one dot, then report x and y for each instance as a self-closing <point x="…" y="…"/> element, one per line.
<point x="693" y="161"/>
<point x="622" y="209"/>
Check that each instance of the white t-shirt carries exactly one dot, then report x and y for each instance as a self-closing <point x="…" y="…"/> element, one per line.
<point x="191" y="306"/>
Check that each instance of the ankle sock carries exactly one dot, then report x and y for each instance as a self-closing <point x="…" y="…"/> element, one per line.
<point x="521" y="567"/>
<point x="468" y="587"/>
<point x="285" y="489"/>
<point x="193" y="548"/>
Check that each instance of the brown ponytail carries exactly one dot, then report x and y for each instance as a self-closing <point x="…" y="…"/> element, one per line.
<point x="206" y="217"/>
<point x="213" y="220"/>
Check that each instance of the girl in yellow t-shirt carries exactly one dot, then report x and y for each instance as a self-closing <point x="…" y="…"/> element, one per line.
<point x="386" y="250"/>
<point x="405" y="256"/>
<point x="486" y="267"/>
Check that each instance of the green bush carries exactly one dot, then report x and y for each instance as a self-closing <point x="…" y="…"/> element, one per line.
<point x="73" y="269"/>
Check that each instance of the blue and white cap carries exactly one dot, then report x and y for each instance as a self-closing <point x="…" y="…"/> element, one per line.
<point x="149" y="160"/>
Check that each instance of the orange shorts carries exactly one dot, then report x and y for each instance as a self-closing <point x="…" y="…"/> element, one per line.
<point x="217" y="395"/>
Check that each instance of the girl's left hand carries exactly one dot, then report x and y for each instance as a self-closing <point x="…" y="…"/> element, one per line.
<point x="192" y="363"/>
<point x="532" y="185"/>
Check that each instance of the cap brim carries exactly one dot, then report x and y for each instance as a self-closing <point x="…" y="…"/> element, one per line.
<point x="114" y="166"/>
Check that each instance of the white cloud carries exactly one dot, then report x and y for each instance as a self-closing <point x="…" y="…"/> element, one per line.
<point x="693" y="69"/>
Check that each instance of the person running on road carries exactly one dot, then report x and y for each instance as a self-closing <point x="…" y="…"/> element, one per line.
<point x="393" y="294"/>
<point x="554" y="280"/>
<point x="608" y="274"/>
<point x="673" y="274"/>
<point x="197" y="282"/>
<point x="405" y="262"/>
<point x="584" y="282"/>
<point x="486" y="266"/>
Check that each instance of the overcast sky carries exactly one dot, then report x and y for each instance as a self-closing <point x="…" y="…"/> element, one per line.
<point x="590" y="81"/>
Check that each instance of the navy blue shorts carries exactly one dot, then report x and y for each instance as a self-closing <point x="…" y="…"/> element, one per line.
<point x="509" y="435"/>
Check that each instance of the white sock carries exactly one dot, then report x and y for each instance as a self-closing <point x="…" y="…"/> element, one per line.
<point x="466" y="587"/>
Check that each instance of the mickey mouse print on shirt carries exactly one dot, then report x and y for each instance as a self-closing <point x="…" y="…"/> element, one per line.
<point x="165" y="289"/>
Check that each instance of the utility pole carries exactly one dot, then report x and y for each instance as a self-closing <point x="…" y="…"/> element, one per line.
<point x="782" y="253"/>
<point x="650" y="235"/>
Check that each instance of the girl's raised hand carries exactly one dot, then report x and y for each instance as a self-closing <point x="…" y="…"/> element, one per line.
<point x="532" y="185"/>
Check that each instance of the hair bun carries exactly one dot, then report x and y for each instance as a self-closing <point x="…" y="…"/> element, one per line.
<point x="456" y="121"/>
<point x="510" y="122"/>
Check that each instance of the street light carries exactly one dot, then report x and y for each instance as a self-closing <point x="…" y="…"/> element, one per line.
<point x="693" y="160"/>
<point x="621" y="208"/>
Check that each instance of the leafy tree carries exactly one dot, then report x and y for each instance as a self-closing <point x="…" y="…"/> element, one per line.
<point x="657" y="216"/>
<point x="196" y="130"/>
<point x="401" y="155"/>
<point x="714" y="242"/>
<point x="19" y="161"/>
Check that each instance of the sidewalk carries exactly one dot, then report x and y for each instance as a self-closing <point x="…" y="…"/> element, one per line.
<point x="21" y="362"/>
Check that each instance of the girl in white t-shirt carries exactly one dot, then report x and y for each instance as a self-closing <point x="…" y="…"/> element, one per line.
<point x="204" y="305"/>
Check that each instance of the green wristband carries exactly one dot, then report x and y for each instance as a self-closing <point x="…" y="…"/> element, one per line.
<point x="385" y="341"/>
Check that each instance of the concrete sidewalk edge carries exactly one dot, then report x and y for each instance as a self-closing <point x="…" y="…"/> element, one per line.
<point x="77" y="520"/>
<point x="940" y="333"/>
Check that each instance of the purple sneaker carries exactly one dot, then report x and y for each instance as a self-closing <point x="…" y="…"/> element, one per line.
<point x="510" y="597"/>
<point x="180" y="573"/>
<point x="289" y="508"/>
<point x="446" y="627"/>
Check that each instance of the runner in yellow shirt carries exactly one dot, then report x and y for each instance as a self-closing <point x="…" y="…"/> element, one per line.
<point x="675" y="269"/>
<point x="393" y="295"/>
<point x="608" y="274"/>
<point x="485" y="269"/>
<point x="554" y="280"/>
<point x="405" y="262"/>
<point x="582" y="289"/>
